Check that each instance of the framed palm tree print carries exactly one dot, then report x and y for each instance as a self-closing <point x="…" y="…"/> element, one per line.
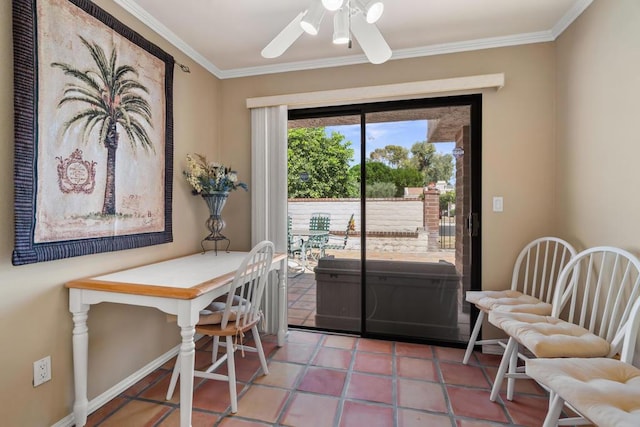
<point x="93" y="133"/>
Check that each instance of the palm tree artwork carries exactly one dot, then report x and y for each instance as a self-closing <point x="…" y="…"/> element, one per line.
<point x="111" y="99"/>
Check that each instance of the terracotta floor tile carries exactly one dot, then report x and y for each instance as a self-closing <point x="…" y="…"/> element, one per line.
<point x="421" y="395"/>
<point x="304" y="305"/>
<point x="414" y="350"/>
<point x="363" y="414"/>
<point x="282" y="375"/>
<point x="467" y="375"/>
<point x="375" y="346"/>
<point x="211" y="395"/>
<point x="523" y="386"/>
<point x="474" y="403"/>
<point x="323" y="381"/>
<point x="411" y="367"/>
<point x="339" y="341"/>
<point x="472" y="423"/>
<point x="297" y="312"/>
<point x="304" y="411"/>
<point x="137" y="413"/>
<point x="370" y="387"/>
<point x="527" y="410"/>
<point x="412" y="418"/>
<point x="487" y="359"/>
<point x="230" y="421"/>
<point x="340" y="381"/>
<point x="262" y="403"/>
<point x="333" y="358"/>
<point x="292" y="352"/>
<point x="373" y="363"/>
<point x="450" y="354"/>
<point x="99" y="415"/>
<point x="198" y="419"/>
<point x="138" y="387"/>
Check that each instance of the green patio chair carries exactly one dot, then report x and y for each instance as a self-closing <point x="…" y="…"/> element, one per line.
<point x="314" y="245"/>
<point x="339" y="242"/>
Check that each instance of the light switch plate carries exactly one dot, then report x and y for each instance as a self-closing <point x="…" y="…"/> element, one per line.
<point x="498" y="204"/>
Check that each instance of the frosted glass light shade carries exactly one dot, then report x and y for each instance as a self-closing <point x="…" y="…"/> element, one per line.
<point x="341" y="27"/>
<point x="332" y="5"/>
<point x="311" y="21"/>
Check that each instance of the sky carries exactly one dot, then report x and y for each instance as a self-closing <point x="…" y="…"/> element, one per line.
<point x="379" y="135"/>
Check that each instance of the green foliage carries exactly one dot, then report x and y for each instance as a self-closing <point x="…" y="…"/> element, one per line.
<point x="446" y="198"/>
<point x="435" y="166"/>
<point x="325" y="161"/>
<point x="392" y="155"/>
<point x="381" y="190"/>
<point x="440" y="169"/>
<point x="406" y="177"/>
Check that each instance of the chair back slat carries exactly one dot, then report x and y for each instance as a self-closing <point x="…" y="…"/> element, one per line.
<point x="605" y="287"/>
<point x="249" y="283"/>
<point x="538" y="266"/>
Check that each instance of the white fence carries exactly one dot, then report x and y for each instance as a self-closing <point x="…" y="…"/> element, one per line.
<point x="393" y="216"/>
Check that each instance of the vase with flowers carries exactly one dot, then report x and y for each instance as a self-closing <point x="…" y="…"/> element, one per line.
<point x="213" y="182"/>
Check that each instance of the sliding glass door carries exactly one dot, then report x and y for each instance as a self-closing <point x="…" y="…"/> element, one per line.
<point x="399" y="183"/>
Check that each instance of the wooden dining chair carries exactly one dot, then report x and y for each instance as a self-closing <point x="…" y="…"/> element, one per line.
<point x="232" y="319"/>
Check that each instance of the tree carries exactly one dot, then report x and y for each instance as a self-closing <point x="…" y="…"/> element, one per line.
<point x="435" y="166"/>
<point x="406" y="177"/>
<point x="392" y="155"/>
<point x="112" y="99"/>
<point x="318" y="166"/>
<point x="441" y="168"/>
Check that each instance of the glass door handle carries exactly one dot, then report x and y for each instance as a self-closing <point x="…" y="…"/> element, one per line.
<point x="473" y="224"/>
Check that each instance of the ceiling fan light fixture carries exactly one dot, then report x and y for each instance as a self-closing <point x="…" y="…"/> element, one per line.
<point x="341" y="26"/>
<point x="311" y="21"/>
<point x="372" y="9"/>
<point x="332" y="5"/>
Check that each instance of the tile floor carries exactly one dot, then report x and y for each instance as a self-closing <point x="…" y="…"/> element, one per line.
<point x="319" y="380"/>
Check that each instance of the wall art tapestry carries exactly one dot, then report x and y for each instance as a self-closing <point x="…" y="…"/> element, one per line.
<point x="93" y="133"/>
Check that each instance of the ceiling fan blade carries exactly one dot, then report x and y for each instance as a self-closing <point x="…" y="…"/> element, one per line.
<point x="284" y="39"/>
<point x="370" y="39"/>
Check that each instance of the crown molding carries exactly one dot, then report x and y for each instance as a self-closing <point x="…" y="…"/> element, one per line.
<point x="438" y="49"/>
<point x="568" y="18"/>
<point x="151" y="22"/>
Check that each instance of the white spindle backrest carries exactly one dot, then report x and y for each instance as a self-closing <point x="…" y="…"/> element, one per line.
<point x="631" y="332"/>
<point x="249" y="282"/>
<point x="606" y="285"/>
<point x="538" y="267"/>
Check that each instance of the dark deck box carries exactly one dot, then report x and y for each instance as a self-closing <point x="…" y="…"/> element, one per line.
<point x="404" y="298"/>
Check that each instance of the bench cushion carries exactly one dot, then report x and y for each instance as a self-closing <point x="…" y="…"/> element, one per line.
<point x="547" y="336"/>
<point x="606" y="391"/>
<point x="508" y="300"/>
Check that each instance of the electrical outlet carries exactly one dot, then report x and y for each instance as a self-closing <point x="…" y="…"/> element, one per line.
<point x="41" y="371"/>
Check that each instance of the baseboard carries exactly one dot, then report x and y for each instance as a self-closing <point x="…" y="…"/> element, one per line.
<point x="102" y="399"/>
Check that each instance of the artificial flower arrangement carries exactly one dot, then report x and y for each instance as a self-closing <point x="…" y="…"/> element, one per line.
<point x="210" y="177"/>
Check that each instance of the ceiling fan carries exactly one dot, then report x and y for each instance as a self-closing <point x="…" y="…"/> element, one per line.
<point x="357" y="17"/>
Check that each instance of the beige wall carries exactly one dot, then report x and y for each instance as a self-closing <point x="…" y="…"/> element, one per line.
<point x="598" y="94"/>
<point x="34" y="317"/>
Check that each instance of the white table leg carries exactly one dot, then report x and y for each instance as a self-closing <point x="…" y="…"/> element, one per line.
<point x="80" y="356"/>
<point x="282" y="302"/>
<point x="187" y="362"/>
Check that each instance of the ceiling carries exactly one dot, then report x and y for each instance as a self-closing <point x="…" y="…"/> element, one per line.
<point x="226" y="36"/>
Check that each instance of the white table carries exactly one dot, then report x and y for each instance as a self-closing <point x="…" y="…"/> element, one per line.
<point x="181" y="286"/>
